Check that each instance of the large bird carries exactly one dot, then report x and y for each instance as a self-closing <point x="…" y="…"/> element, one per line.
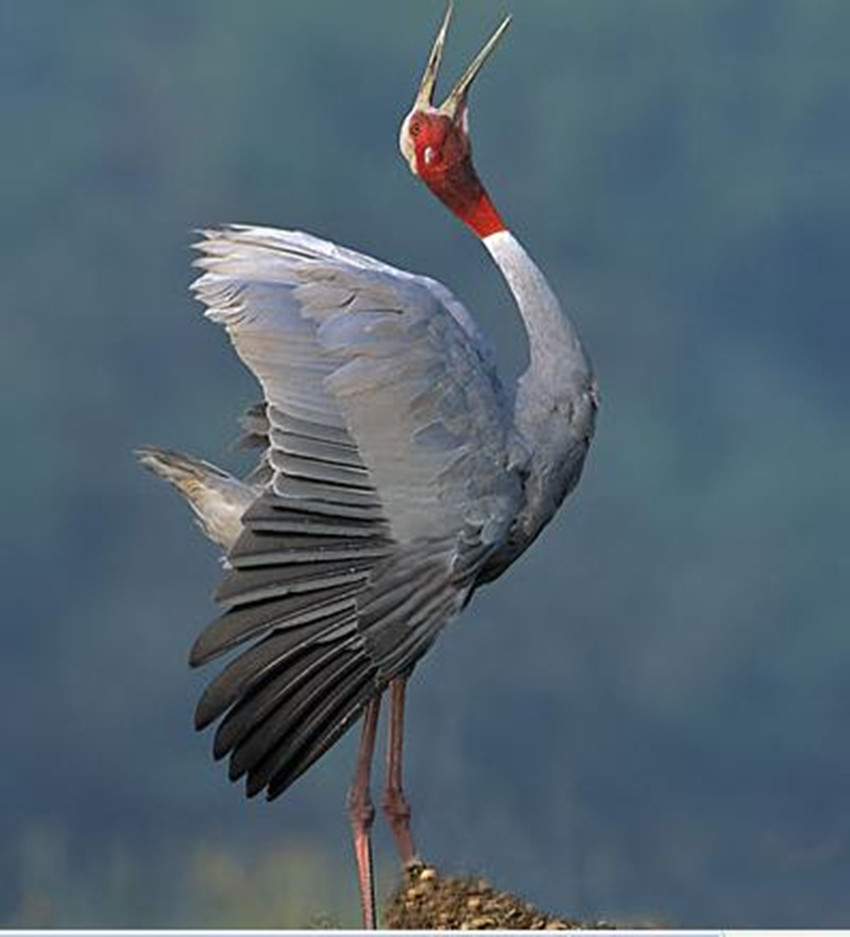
<point x="397" y="473"/>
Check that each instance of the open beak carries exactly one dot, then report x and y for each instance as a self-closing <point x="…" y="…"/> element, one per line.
<point x="456" y="100"/>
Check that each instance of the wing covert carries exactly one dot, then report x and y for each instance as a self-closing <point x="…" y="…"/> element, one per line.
<point x="386" y="484"/>
<point x="374" y="368"/>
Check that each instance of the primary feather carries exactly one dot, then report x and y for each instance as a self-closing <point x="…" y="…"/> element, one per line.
<point x="395" y="474"/>
<point x="387" y="478"/>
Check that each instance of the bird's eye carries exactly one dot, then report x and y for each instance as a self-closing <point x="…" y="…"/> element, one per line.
<point x="415" y="127"/>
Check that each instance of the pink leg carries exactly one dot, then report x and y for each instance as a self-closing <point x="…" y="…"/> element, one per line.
<point x="362" y="813"/>
<point x="396" y="806"/>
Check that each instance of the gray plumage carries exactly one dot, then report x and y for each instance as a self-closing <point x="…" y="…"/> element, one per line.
<point x="217" y="499"/>
<point x="396" y="474"/>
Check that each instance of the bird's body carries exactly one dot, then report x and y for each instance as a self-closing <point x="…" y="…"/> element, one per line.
<point x="397" y="474"/>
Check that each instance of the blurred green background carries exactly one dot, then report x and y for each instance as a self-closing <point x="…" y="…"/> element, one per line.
<point x="647" y="717"/>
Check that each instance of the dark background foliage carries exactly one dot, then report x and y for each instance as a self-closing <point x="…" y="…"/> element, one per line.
<point x="648" y="716"/>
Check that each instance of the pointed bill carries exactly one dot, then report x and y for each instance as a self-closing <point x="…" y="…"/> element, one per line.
<point x="457" y="96"/>
<point x="425" y="95"/>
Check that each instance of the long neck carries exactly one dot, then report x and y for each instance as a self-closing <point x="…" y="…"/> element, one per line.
<point x="555" y="404"/>
<point x="557" y="359"/>
<point x="559" y="368"/>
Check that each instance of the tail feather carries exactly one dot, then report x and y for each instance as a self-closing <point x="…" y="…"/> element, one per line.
<point x="218" y="499"/>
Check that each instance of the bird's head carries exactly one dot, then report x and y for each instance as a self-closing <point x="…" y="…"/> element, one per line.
<point x="435" y="139"/>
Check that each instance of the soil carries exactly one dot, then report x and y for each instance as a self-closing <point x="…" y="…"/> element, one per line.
<point x="426" y="900"/>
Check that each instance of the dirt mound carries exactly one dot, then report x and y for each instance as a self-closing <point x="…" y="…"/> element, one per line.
<point x="427" y="900"/>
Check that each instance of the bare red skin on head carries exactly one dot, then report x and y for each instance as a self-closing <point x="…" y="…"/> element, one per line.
<point x="449" y="173"/>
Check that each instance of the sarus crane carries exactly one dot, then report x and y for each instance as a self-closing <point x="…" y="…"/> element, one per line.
<point x="397" y="473"/>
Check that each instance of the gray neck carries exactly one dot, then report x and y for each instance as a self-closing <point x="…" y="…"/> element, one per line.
<point x="555" y="405"/>
<point x="558" y="362"/>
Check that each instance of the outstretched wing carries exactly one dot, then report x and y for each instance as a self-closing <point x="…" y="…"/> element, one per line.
<point x="389" y="485"/>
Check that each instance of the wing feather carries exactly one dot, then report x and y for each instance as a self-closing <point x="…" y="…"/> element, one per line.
<point x="387" y="487"/>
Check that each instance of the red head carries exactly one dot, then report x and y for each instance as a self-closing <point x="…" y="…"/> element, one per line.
<point x="435" y="141"/>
